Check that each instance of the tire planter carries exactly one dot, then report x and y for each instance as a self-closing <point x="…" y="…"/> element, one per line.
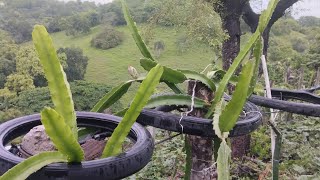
<point x="199" y="126"/>
<point x="117" y="167"/>
<point x="312" y="108"/>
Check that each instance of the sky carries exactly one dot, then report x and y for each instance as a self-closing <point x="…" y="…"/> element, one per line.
<point x="301" y="8"/>
<point x="307" y="8"/>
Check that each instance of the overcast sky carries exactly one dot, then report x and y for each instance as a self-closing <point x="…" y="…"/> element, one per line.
<point x="302" y="8"/>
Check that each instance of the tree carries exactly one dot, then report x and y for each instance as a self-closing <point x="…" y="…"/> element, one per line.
<point x="8" y="51"/>
<point x="108" y="38"/>
<point x="20" y="30"/>
<point x="200" y="22"/>
<point x="76" y="63"/>
<point x="28" y="63"/>
<point x="77" y="24"/>
<point x="309" y="21"/>
<point x="313" y="60"/>
<point x="19" y="82"/>
<point x="252" y="19"/>
<point x="230" y="12"/>
<point x="85" y="95"/>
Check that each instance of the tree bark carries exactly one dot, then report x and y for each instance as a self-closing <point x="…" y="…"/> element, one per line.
<point x="317" y="80"/>
<point x="230" y="12"/>
<point x="201" y="147"/>
<point x="301" y="78"/>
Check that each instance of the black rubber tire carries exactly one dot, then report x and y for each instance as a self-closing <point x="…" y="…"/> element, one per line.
<point x="200" y="126"/>
<point x="116" y="167"/>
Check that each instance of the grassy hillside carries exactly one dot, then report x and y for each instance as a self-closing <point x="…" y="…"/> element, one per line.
<point x="110" y="66"/>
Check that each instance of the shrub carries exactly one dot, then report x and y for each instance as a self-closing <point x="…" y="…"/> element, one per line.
<point x="85" y="95"/>
<point x="159" y="48"/>
<point x="74" y="62"/>
<point x="107" y="39"/>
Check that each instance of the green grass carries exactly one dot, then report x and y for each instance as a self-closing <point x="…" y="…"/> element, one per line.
<point x="110" y="66"/>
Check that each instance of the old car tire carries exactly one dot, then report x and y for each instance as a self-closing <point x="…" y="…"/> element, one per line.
<point x="199" y="126"/>
<point x="117" y="167"/>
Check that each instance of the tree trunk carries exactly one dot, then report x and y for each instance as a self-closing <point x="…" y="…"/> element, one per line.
<point x="287" y="75"/>
<point x="301" y="78"/>
<point x="317" y="80"/>
<point x="201" y="147"/>
<point x="230" y="50"/>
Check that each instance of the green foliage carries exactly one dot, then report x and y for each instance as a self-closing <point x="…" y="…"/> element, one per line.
<point x="199" y="19"/>
<point x="84" y="94"/>
<point x="113" y="146"/>
<point x="76" y="63"/>
<point x="19" y="16"/>
<point x="135" y="33"/>
<point x="8" y="52"/>
<point x="177" y="99"/>
<point x="9" y="113"/>
<point x="200" y="77"/>
<point x="285" y="26"/>
<point x="169" y="74"/>
<point x="223" y="84"/>
<point x="108" y="38"/>
<point x="55" y="125"/>
<point x="111" y="13"/>
<point x="299" y="42"/>
<point x="19" y="82"/>
<point x="300" y="152"/>
<point x="309" y="21"/>
<point x="261" y="145"/>
<point x="28" y="63"/>
<point x="161" y="166"/>
<point x="158" y="48"/>
<point x="111" y="97"/>
<point x="77" y="24"/>
<point x="32" y="164"/>
<point x="223" y="161"/>
<point x="19" y="29"/>
<point x="57" y="82"/>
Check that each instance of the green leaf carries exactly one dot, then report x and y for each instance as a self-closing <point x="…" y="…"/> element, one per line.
<point x="169" y="75"/>
<point x="175" y="99"/>
<point x="224" y="82"/>
<point x="121" y="113"/>
<point x="257" y="52"/>
<point x="216" y="116"/>
<point x="230" y="114"/>
<point x="263" y="22"/>
<point x="57" y="81"/>
<point x="114" y="144"/>
<point x="32" y="164"/>
<point x="135" y="33"/>
<point x="266" y="15"/>
<point x="174" y="88"/>
<point x="217" y="76"/>
<point x="84" y="131"/>
<point x="61" y="135"/>
<point x="111" y="97"/>
<point x="200" y="77"/>
<point x="224" y="154"/>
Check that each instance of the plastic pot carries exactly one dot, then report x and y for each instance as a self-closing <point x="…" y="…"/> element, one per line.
<point x="117" y="167"/>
